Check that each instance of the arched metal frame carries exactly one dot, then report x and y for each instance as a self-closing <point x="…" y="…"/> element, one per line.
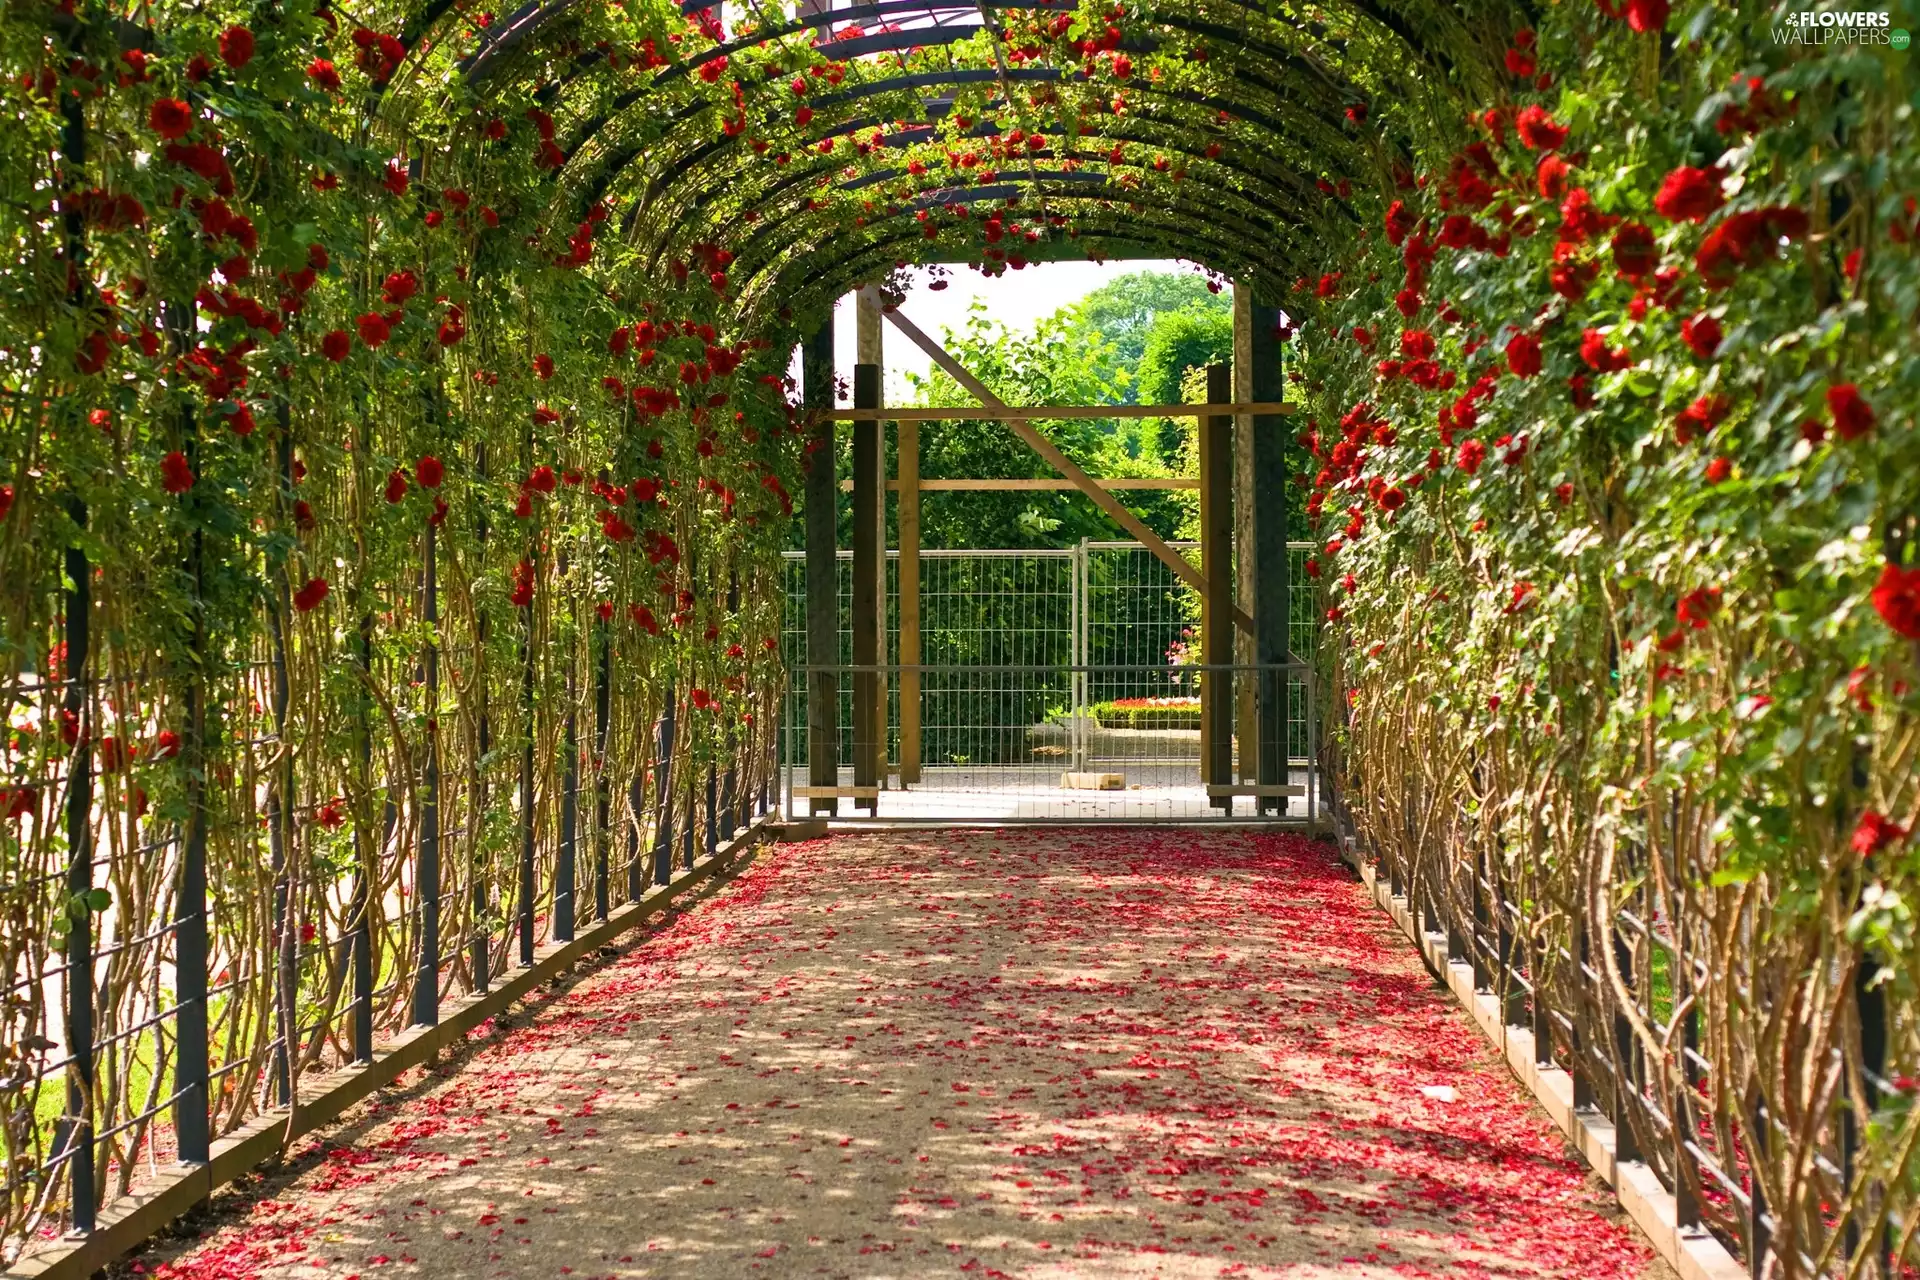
<point x="1255" y="207"/>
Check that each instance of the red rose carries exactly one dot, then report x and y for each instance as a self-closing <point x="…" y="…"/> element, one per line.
<point x="1852" y="415"/>
<point x="1718" y="470"/>
<point x="397" y="484"/>
<point x="175" y="475"/>
<point x="307" y="598"/>
<point x="643" y="618"/>
<point x="1598" y="356"/>
<point x="1472" y="454"/>
<point x="541" y="479"/>
<point x="1896" y="598"/>
<point x="336" y="345"/>
<point x="1399" y="221"/>
<point x="1537" y="129"/>
<point x="1646" y="15"/>
<point x="241" y="421"/>
<point x="1746" y="240"/>
<point x="399" y="286"/>
<point x="323" y="73"/>
<point x="1875" y="832"/>
<point x="167" y="745"/>
<point x="543" y="366"/>
<point x="522" y="585"/>
<point x="374" y="329"/>
<point x="1700" y="417"/>
<point x="1523" y="355"/>
<point x="6" y="500"/>
<point x="170" y="118"/>
<point x="1521" y="63"/>
<point x="1688" y="194"/>
<point x="1702" y="334"/>
<point x="1634" y="252"/>
<point x="395" y="179"/>
<point x="236" y="47"/>
<point x="429" y="472"/>
<point x="1551" y="177"/>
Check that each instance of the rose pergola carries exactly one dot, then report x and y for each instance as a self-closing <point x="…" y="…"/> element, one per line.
<point x="398" y="446"/>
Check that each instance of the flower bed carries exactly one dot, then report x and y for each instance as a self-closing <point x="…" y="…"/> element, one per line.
<point x="1147" y="713"/>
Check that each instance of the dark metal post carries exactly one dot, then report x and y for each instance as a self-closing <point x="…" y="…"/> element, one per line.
<point x="663" y="778"/>
<point x="364" y="852"/>
<point x="78" y="713"/>
<point x="480" y="941"/>
<point x="602" y="786"/>
<point x="1216" y="562"/>
<point x="1270" y="606"/>
<point x="823" y="574"/>
<point x="729" y="801"/>
<point x="525" y="910"/>
<point x="426" y="879"/>
<point x="279" y="820"/>
<point x="564" y="868"/>
<point x="1626" y="1049"/>
<point x="869" y="639"/>
<point x="713" y="809"/>
<point x="191" y="1117"/>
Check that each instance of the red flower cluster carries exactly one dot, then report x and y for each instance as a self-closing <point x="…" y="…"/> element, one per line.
<point x="175" y="475"/>
<point x="308" y="598"/>
<point x="1523" y="355"/>
<point x="522" y="595"/>
<point x="1688" y="194"/>
<point x="1896" y="598"/>
<point x="1852" y="415"/>
<point x="1746" y="240"/>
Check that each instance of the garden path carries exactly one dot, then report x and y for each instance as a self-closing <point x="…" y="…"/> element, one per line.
<point x="1044" y="1054"/>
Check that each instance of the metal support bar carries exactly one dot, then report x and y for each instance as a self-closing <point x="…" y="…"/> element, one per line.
<point x="426" y="877"/>
<point x="823" y="587"/>
<point x="1216" y="602"/>
<point x="1270" y="602"/>
<point x="869" y="600"/>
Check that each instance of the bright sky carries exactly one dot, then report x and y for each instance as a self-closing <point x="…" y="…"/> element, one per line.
<point x="1017" y="299"/>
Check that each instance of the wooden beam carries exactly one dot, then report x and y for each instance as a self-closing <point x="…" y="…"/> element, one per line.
<point x="1024" y="485"/>
<point x="906" y="442"/>
<point x="1060" y="462"/>
<point x="1039" y="412"/>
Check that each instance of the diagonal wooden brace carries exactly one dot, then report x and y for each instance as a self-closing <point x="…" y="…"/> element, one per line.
<point x="1064" y="465"/>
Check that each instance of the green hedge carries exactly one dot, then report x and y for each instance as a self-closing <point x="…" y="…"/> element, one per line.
<point x="1113" y="716"/>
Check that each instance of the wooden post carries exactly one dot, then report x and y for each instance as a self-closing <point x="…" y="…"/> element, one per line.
<point x="869" y="562"/>
<point x="907" y="447"/>
<point x="869" y="349"/>
<point x="1246" y="721"/>
<point x="1216" y="562"/>
<point x="823" y="574"/>
<point x="1269" y="548"/>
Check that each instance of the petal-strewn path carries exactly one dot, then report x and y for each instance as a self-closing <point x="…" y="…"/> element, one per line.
<point x="1036" y="1054"/>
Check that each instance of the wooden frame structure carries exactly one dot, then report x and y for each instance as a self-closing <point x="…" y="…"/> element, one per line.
<point x="1224" y="454"/>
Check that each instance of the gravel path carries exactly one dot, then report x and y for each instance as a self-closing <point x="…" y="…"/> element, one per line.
<point x="1040" y="1054"/>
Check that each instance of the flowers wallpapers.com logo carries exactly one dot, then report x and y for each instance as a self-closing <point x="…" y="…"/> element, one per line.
<point x="1841" y="27"/>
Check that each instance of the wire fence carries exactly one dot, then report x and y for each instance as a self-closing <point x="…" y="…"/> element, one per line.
<point x="201" y="906"/>
<point x="1109" y="620"/>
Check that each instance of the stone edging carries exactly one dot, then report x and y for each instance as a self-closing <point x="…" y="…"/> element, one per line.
<point x="1695" y="1253"/>
<point x="129" y="1221"/>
